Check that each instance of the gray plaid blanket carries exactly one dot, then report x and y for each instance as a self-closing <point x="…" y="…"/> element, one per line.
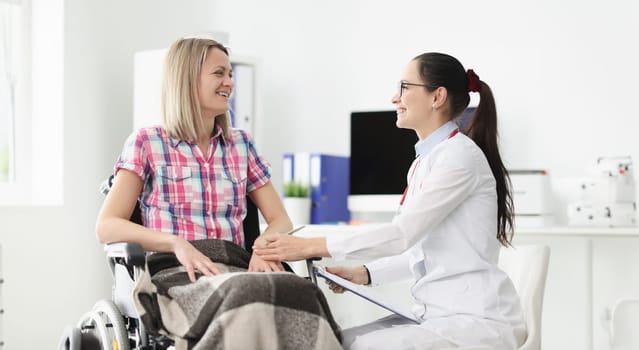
<point x="233" y="310"/>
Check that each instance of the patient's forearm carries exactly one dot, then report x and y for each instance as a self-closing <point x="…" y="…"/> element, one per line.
<point x="112" y="230"/>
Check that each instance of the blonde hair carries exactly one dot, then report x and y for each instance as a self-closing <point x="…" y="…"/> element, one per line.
<point x="181" y="113"/>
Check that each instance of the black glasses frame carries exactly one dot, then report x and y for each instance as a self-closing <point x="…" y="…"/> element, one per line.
<point x="402" y="84"/>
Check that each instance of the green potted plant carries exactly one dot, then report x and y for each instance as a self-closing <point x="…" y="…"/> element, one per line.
<point x="295" y="190"/>
<point x="297" y="202"/>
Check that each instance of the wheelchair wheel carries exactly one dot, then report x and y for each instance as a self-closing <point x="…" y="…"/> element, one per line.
<point x="92" y="324"/>
<point x="90" y="341"/>
<point x="75" y="339"/>
<point x="71" y="339"/>
<point x="105" y="324"/>
<point x="111" y="314"/>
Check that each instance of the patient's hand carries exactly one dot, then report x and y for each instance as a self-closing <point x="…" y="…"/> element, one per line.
<point x="356" y="274"/>
<point x="258" y="264"/>
<point x="193" y="260"/>
<point x="260" y="241"/>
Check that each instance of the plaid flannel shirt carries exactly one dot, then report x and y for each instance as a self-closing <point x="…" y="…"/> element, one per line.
<point x="191" y="195"/>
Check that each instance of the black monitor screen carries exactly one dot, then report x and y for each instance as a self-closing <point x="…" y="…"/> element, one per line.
<point x="381" y="153"/>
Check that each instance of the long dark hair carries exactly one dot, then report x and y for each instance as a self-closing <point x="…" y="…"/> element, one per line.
<point x="441" y="70"/>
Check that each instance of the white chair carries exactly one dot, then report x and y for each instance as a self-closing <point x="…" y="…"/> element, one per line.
<point x="527" y="266"/>
<point x="623" y="325"/>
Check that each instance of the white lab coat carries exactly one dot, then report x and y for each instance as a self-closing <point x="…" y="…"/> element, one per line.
<point x="445" y="237"/>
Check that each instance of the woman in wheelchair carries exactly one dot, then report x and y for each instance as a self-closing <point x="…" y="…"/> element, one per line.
<point x="191" y="174"/>
<point x="190" y="178"/>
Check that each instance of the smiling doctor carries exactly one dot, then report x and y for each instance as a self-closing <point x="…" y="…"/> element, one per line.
<point x="454" y="215"/>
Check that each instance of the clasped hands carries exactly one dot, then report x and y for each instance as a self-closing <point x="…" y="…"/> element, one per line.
<point x="194" y="261"/>
<point x="269" y="250"/>
<point x="284" y="247"/>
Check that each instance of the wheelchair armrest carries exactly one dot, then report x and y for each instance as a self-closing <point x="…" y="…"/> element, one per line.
<point x="129" y="254"/>
<point x="310" y="269"/>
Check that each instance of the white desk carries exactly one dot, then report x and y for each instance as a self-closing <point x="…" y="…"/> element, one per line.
<point x="590" y="269"/>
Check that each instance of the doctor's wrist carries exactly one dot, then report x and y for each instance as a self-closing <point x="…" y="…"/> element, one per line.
<point x="368" y="276"/>
<point x="317" y="248"/>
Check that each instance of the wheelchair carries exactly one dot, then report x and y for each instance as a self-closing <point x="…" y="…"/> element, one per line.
<point x="114" y="324"/>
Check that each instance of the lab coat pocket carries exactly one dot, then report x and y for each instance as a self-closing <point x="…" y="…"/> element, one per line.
<point x="446" y="296"/>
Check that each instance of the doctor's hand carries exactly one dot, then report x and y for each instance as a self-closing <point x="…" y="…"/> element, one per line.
<point x="356" y="274"/>
<point x="257" y="264"/>
<point x="283" y="247"/>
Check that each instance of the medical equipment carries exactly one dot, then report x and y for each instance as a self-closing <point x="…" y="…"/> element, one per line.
<point x="531" y="197"/>
<point x="608" y="197"/>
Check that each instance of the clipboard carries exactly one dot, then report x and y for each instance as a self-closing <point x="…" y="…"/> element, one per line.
<point x="368" y="294"/>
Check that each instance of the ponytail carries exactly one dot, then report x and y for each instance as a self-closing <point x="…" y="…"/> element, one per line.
<point x="483" y="131"/>
<point x="438" y="69"/>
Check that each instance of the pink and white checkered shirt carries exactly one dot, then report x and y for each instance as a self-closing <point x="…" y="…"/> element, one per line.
<point x="190" y="195"/>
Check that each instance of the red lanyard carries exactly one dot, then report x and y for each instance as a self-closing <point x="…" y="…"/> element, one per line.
<point x="412" y="173"/>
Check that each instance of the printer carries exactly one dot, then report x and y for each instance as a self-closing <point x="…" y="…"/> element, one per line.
<point x="531" y="198"/>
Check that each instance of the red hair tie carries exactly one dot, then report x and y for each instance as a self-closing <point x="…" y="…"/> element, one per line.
<point x="474" y="84"/>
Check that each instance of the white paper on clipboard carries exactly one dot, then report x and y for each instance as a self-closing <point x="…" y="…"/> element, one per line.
<point x="368" y="294"/>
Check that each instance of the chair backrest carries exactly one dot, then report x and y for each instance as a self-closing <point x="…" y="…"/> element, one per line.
<point x="251" y="225"/>
<point x="527" y="267"/>
<point x="623" y="324"/>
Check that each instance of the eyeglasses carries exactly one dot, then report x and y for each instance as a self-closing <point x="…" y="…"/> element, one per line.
<point x="402" y="85"/>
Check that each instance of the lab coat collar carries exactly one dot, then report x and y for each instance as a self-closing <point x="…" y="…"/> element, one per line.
<point x="423" y="147"/>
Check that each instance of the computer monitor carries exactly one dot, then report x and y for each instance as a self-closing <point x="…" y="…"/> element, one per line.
<point x="381" y="154"/>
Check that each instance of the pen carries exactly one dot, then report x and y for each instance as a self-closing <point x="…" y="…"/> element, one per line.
<point x="295" y="230"/>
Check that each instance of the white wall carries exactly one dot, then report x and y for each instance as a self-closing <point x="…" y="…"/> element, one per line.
<point x="563" y="73"/>
<point x="54" y="269"/>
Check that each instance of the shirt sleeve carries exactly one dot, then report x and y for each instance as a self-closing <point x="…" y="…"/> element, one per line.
<point x="134" y="156"/>
<point x="259" y="169"/>
<point x="390" y="269"/>
<point x="447" y="185"/>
